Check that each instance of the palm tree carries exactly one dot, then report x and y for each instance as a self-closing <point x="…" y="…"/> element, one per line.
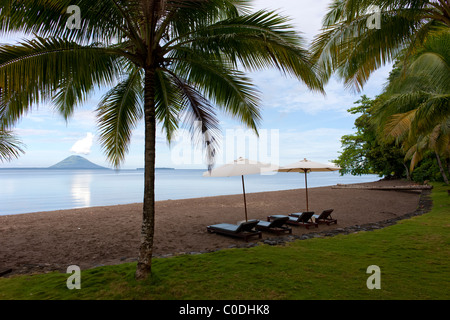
<point x="354" y="51"/>
<point x="167" y="62"/>
<point x="437" y="141"/>
<point x="417" y="109"/>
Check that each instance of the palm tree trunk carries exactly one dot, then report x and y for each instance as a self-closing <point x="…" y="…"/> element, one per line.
<point x="441" y="168"/>
<point x="144" y="265"/>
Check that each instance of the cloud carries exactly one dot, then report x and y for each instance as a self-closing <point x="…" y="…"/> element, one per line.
<point x="84" y="145"/>
<point x="288" y="95"/>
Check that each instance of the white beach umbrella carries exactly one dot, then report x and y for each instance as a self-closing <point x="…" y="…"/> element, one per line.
<point x="306" y="166"/>
<point x="241" y="167"/>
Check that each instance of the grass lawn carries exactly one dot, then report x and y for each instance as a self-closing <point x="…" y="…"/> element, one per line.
<point x="413" y="256"/>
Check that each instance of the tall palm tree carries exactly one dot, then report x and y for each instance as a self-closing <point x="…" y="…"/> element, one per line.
<point x="166" y="61"/>
<point x="354" y="51"/>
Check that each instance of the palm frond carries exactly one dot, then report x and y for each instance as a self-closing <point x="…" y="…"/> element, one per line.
<point x="256" y="41"/>
<point x="118" y="114"/>
<point x="348" y="47"/>
<point x="399" y="124"/>
<point x="10" y="146"/>
<point x="55" y="70"/>
<point x="104" y="21"/>
<point x="168" y="103"/>
<point x="199" y="117"/>
<point x="415" y="159"/>
<point x="229" y="89"/>
<point x="399" y="103"/>
<point x="432" y="112"/>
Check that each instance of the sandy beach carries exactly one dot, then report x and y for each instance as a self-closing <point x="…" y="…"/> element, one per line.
<point x="89" y="237"/>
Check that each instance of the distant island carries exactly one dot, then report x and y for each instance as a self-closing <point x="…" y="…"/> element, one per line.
<point x="77" y="162"/>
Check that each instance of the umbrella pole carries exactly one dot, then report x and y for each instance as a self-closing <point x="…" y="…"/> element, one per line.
<point x="306" y="185"/>
<point x="245" y="200"/>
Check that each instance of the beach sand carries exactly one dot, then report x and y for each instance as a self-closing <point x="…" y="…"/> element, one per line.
<point x="89" y="237"/>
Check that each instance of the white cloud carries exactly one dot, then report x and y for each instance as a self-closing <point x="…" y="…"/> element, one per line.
<point x="290" y="95"/>
<point x="84" y="145"/>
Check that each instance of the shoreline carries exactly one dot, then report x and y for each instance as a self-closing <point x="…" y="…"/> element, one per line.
<point x="90" y="237"/>
<point x="76" y="192"/>
<point x="300" y="190"/>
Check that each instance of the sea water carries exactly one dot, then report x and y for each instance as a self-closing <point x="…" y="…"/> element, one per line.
<point x="34" y="190"/>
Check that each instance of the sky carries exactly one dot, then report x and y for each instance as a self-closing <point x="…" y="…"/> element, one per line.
<point x="296" y="123"/>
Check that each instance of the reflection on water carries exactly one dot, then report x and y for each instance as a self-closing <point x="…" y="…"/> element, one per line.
<point x="81" y="189"/>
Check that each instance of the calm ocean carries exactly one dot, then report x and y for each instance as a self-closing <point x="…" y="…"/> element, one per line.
<point x="34" y="190"/>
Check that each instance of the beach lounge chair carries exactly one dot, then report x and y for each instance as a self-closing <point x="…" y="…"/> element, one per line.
<point x="298" y="219"/>
<point x="244" y="230"/>
<point x="325" y="217"/>
<point x="304" y="219"/>
<point x="276" y="226"/>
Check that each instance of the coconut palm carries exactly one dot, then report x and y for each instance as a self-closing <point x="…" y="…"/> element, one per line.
<point x="354" y="48"/>
<point x="167" y="62"/>
<point x="416" y="147"/>
<point x="417" y="109"/>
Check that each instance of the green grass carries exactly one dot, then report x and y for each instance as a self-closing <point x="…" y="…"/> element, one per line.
<point x="413" y="256"/>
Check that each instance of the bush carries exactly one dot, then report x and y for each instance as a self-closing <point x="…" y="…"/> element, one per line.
<point x="428" y="169"/>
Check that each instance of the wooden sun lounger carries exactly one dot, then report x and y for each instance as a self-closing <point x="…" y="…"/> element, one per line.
<point x="325" y="217"/>
<point x="275" y="226"/>
<point x="303" y="219"/>
<point x="244" y="230"/>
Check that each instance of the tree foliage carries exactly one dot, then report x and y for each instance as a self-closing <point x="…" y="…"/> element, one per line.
<point x="363" y="152"/>
<point x="10" y="146"/>
<point x="416" y="111"/>
<point x="347" y="47"/>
